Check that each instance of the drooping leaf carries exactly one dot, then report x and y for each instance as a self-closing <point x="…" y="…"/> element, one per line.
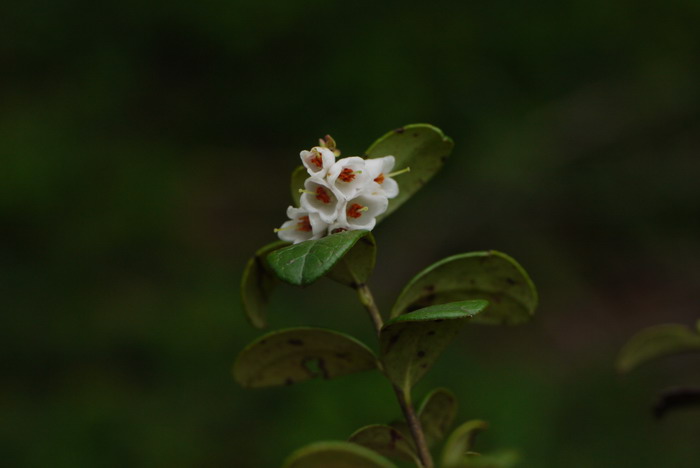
<point x="293" y="355"/>
<point x="460" y="443"/>
<point x="299" y="176"/>
<point x="421" y="147"/>
<point x="257" y="285"/>
<point x="357" y="265"/>
<point x="437" y="413"/>
<point x="506" y="459"/>
<point x="386" y="441"/>
<point x="303" y="263"/>
<point x="655" y="342"/>
<point x="412" y="342"/>
<point x="336" y="454"/>
<point x="489" y="275"/>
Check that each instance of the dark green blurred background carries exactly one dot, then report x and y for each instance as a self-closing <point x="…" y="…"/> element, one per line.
<point x="145" y="156"/>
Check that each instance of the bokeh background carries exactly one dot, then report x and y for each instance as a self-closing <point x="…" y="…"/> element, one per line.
<point x="146" y="149"/>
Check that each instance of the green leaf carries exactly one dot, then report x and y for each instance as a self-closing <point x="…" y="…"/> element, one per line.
<point x="655" y="342"/>
<point x="386" y="441"/>
<point x="336" y="454"/>
<point x="489" y="275"/>
<point x="299" y="176"/>
<point x="303" y="263"/>
<point x="257" y="285"/>
<point x="293" y="355"/>
<point x="506" y="459"/>
<point x="437" y="413"/>
<point x="411" y="343"/>
<point x="357" y="265"/>
<point x="421" y="147"/>
<point x="460" y="442"/>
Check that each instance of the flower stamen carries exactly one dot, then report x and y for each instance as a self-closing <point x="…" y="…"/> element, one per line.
<point x="393" y="174"/>
<point x="347" y="175"/>
<point x="322" y="195"/>
<point x="355" y="210"/>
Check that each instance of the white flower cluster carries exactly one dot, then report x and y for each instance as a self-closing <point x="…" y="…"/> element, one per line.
<point x="340" y="195"/>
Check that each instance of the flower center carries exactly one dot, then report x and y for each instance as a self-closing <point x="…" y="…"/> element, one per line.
<point x="380" y="178"/>
<point x="337" y="230"/>
<point x="322" y="195"/>
<point x="316" y="160"/>
<point x="304" y="224"/>
<point x="347" y="175"/>
<point x="355" y="210"/>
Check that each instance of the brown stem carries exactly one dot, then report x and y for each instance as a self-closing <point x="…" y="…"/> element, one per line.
<point x="367" y="300"/>
<point x="415" y="427"/>
<point x="404" y="398"/>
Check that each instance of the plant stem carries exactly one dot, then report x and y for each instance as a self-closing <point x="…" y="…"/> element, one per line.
<point x="404" y="398"/>
<point x="367" y="300"/>
<point x="415" y="427"/>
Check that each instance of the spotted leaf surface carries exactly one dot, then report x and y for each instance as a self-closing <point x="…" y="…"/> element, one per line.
<point x="303" y="263"/>
<point x="386" y="441"/>
<point x="656" y="342"/>
<point x="490" y="275"/>
<point x="357" y="265"/>
<point x="412" y="342"/>
<point x="257" y="285"/>
<point x="294" y="355"/>
<point x="336" y="454"/>
<point x="460" y="443"/>
<point x="421" y="147"/>
<point x="437" y="413"/>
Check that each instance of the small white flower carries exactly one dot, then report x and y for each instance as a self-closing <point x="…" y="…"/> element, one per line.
<point x="301" y="226"/>
<point x="319" y="197"/>
<point x="379" y="171"/>
<point x="338" y="226"/>
<point x="361" y="211"/>
<point x="348" y="176"/>
<point x="317" y="161"/>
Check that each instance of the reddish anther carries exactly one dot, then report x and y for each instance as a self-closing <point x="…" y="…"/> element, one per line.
<point x="380" y="178"/>
<point x="337" y="230"/>
<point x="347" y="175"/>
<point x="304" y="224"/>
<point x="355" y="210"/>
<point x="322" y="194"/>
<point x="316" y="160"/>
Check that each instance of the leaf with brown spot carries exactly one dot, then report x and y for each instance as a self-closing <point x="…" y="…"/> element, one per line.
<point x="336" y="454"/>
<point x="285" y="357"/>
<point x="425" y="332"/>
<point x="422" y="147"/>
<point x="387" y="441"/>
<point x="490" y="275"/>
<point x="257" y="284"/>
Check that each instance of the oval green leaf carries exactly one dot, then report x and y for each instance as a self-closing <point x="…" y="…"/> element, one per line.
<point x="303" y="263"/>
<point x="421" y="147"/>
<point x="386" y="441"/>
<point x="336" y="454"/>
<point x="257" y="285"/>
<point x="490" y="275"/>
<point x="294" y="355"/>
<point x="357" y="265"/>
<point x="656" y="342"/>
<point x="299" y="176"/>
<point x="460" y="443"/>
<point x="437" y="413"/>
<point x="412" y="342"/>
